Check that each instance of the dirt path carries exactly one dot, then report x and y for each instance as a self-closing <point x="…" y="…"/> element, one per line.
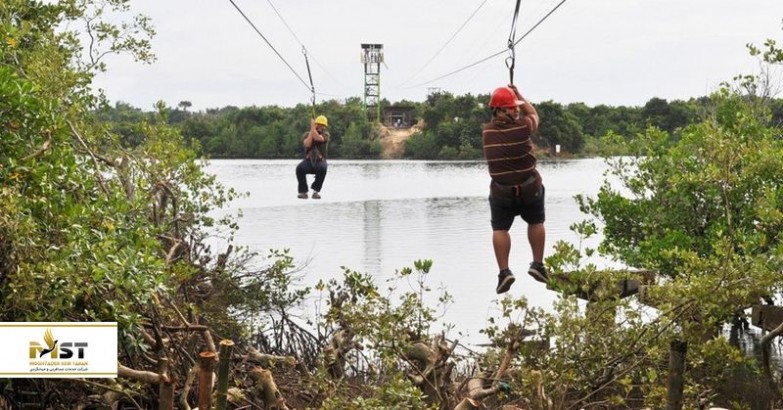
<point x="393" y="141"/>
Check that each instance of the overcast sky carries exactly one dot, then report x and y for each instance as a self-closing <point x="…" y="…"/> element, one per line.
<point x="616" y="52"/>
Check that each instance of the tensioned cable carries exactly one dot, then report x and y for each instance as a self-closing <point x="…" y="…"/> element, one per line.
<point x="540" y="21"/>
<point x="510" y="60"/>
<point x="270" y="44"/>
<point x="309" y="74"/>
<point x="284" y="22"/>
<point x="493" y="55"/>
<point x="303" y="46"/>
<point x="446" y="44"/>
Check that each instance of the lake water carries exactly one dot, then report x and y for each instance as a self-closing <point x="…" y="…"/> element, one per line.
<point x="380" y="216"/>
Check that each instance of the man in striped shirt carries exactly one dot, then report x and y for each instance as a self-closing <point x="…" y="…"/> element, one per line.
<point x="516" y="187"/>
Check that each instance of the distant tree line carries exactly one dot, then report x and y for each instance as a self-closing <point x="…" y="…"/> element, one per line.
<point x="450" y="126"/>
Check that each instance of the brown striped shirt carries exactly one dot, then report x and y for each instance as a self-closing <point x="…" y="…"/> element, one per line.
<point x="508" y="150"/>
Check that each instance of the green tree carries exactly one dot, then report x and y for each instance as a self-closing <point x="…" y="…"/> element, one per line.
<point x="655" y="113"/>
<point x="422" y="145"/>
<point x="705" y="211"/>
<point x="682" y="114"/>
<point x="356" y="142"/>
<point x="94" y="227"/>
<point x="125" y="121"/>
<point x="558" y="126"/>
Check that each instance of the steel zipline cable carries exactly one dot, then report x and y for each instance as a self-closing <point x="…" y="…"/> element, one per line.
<point x="270" y="45"/>
<point x="511" y="59"/>
<point x="309" y="74"/>
<point x="447" y="43"/>
<point x="493" y="55"/>
<point x="305" y="51"/>
<point x="284" y="22"/>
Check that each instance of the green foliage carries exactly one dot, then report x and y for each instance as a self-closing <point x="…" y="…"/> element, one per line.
<point x="772" y="54"/>
<point x="422" y="145"/>
<point x="720" y="182"/>
<point x="609" y="145"/>
<point x="558" y="127"/>
<point x="703" y="210"/>
<point x="386" y="323"/>
<point x="77" y="251"/>
<point x="378" y="317"/>
<point x="451" y="130"/>
<point x="396" y="393"/>
<point x="359" y="142"/>
<point x="276" y="132"/>
<point x="96" y="224"/>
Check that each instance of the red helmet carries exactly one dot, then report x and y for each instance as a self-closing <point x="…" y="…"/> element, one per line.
<point x="504" y="97"/>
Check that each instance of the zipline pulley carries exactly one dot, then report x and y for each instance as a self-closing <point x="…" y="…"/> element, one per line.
<point x="510" y="62"/>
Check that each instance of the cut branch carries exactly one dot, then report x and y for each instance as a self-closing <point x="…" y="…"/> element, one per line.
<point x="206" y="376"/>
<point x="138" y="375"/>
<point x="224" y="365"/>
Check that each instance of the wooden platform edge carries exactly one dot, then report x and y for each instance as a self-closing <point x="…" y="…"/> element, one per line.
<point x="622" y="288"/>
<point x="767" y="317"/>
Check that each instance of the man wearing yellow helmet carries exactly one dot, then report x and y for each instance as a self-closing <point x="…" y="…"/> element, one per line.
<point x="315" y="143"/>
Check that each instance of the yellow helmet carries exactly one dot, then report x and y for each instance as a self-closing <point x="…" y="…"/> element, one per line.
<point x="321" y="120"/>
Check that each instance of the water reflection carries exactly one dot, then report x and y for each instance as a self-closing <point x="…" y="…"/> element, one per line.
<point x="372" y="235"/>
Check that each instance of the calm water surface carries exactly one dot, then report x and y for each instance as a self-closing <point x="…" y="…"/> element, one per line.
<point x="380" y="216"/>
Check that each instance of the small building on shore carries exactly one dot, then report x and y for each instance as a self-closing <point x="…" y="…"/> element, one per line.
<point x="399" y="116"/>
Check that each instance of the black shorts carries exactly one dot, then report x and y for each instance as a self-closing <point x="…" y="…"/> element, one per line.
<point x="504" y="210"/>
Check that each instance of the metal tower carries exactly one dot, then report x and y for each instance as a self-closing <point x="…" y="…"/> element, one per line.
<point x="372" y="57"/>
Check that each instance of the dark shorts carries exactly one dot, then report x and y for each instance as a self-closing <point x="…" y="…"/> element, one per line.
<point x="504" y="210"/>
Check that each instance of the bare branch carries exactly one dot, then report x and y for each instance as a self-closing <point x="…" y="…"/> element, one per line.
<point x="765" y="356"/>
<point x="138" y="375"/>
<point x="183" y="398"/>
<point x="268" y="360"/>
<point x="92" y="155"/>
<point x="44" y="147"/>
<point x="112" y="389"/>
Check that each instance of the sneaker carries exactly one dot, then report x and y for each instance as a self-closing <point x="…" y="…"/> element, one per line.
<point x="538" y="272"/>
<point x="316" y="195"/>
<point x="505" y="279"/>
<point x="302" y="195"/>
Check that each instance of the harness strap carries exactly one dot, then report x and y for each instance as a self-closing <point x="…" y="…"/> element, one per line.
<point x="517" y="189"/>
